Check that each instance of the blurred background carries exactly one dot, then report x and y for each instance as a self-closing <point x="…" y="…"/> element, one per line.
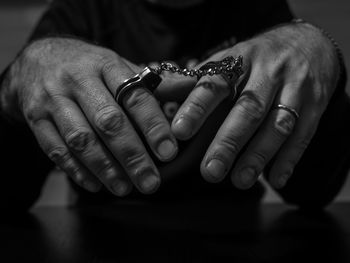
<point x="18" y="17"/>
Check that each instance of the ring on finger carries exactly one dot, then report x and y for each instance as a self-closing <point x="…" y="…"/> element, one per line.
<point x="291" y="110"/>
<point x="227" y="68"/>
<point x="147" y="79"/>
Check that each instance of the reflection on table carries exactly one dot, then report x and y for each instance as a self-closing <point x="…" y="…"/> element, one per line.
<point x="195" y="231"/>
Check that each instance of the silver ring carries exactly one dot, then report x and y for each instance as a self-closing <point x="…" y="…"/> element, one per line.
<point x="227" y="68"/>
<point x="289" y="109"/>
<point x="146" y="79"/>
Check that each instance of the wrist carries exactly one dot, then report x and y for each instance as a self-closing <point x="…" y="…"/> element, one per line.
<point x="310" y="41"/>
<point x="341" y="76"/>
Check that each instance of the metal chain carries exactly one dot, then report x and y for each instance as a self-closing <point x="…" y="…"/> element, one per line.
<point x="229" y="66"/>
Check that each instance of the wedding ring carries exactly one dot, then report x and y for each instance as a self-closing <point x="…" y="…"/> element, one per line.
<point x="289" y="109"/>
<point x="146" y="79"/>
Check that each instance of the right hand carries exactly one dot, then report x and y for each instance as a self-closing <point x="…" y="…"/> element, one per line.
<point x="64" y="91"/>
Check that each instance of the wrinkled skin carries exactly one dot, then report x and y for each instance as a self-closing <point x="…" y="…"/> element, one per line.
<point x="293" y="65"/>
<point x="62" y="88"/>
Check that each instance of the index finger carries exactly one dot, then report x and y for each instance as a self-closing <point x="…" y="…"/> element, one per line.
<point x="209" y="92"/>
<point x="117" y="132"/>
<point x="238" y="128"/>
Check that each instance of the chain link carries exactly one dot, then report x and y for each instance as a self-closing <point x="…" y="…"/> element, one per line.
<point x="229" y="66"/>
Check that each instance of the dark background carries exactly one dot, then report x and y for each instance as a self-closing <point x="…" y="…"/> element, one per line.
<point x="18" y="17"/>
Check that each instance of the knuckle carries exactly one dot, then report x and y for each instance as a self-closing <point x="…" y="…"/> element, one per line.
<point x="34" y="51"/>
<point x="137" y="98"/>
<point x="134" y="158"/>
<point x="73" y="78"/>
<point x="59" y="155"/>
<point x="284" y="125"/>
<point x="33" y="114"/>
<point x="260" y="158"/>
<point x="198" y="108"/>
<point x="105" y="169"/>
<point x="216" y="89"/>
<point x="86" y="63"/>
<point x="34" y="106"/>
<point x="154" y="126"/>
<point x="80" y="139"/>
<point x="229" y="146"/>
<point x="252" y="106"/>
<point x="110" y="120"/>
<point x="109" y="66"/>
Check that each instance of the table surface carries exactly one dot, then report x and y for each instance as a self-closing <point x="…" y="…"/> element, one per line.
<point x="194" y="231"/>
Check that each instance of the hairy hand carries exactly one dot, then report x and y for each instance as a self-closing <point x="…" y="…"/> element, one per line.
<point x="63" y="88"/>
<point x="293" y="65"/>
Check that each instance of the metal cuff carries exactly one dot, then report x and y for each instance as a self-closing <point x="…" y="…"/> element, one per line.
<point x="146" y="79"/>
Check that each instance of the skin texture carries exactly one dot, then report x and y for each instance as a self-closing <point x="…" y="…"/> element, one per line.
<point x="280" y="67"/>
<point x="63" y="89"/>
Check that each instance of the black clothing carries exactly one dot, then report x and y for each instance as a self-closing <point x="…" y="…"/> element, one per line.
<point x="143" y="33"/>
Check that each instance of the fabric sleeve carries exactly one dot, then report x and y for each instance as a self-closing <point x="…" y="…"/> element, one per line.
<point x="63" y="17"/>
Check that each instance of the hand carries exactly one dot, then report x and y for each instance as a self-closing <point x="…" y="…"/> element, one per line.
<point x="293" y="65"/>
<point x="64" y="91"/>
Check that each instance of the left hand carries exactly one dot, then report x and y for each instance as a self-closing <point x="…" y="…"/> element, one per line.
<point x="294" y="65"/>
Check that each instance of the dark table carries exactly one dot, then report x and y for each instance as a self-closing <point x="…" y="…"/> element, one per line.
<point x="194" y="231"/>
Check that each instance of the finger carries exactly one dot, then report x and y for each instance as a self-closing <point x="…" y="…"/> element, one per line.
<point x="268" y="140"/>
<point x="293" y="149"/>
<point x="87" y="147"/>
<point x="278" y="126"/>
<point x="245" y="117"/>
<point x="209" y="92"/>
<point x="54" y="147"/>
<point x="174" y="87"/>
<point x="116" y="131"/>
<point x="205" y="97"/>
<point x="145" y="112"/>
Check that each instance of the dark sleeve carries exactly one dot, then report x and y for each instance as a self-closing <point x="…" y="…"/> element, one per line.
<point x="62" y="17"/>
<point x="88" y="20"/>
<point x="323" y="169"/>
<point x="263" y="15"/>
<point x="24" y="167"/>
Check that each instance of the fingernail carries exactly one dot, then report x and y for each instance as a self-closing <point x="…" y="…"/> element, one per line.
<point x="149" y="183"/>
<point x="120" y="188"/>
<point x="90" y="186"/>
<point x="282" y="180"/>
<point x="166" y="149"/>
<point x="247" y="177"/>
<point x="216" y="168"/>
<point x="183" y="128"/>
